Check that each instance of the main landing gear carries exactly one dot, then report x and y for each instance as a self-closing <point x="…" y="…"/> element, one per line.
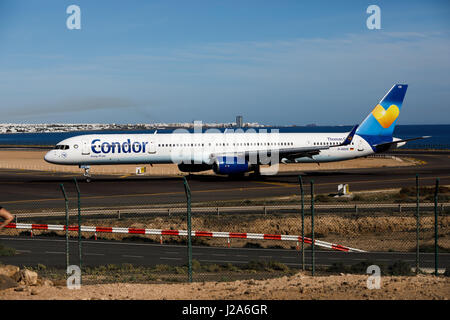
<point x="86" y="173"/>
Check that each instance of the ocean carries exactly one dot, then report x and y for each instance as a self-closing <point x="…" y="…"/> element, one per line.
<point x="440" y="135"/>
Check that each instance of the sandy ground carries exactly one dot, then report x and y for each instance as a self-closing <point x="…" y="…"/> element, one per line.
<point x="34" y="160"/>
<point x="299" y="286"/>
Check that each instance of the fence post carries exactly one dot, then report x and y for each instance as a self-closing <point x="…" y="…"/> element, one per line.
<point x="67" y="225"/>
<point x="436" y="227"/>
<point x="417" y="223"/>
<point x="302" y="199"/>
<point x="188" y="199"/>
<point x="79" y="223"/>
<point x="313" y="264"/>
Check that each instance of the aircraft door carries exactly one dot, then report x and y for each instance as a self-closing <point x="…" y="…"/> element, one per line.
<point x="151" y="147"/>
<point x="85" y="150"/>
<point x="360" y="145"/>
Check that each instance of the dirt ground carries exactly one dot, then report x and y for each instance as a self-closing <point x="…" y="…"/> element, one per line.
<point x="34" y="160"/>
<point x="296" y="287"/>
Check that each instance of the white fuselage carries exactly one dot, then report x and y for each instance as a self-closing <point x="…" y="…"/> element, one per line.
<point x="104" y="149"/>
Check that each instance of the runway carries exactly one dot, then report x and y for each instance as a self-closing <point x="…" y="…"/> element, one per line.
<point x="36" y="190"/>
<point x="51" y="252"/>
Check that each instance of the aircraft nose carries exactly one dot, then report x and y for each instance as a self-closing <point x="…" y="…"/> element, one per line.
<point x="49" y="157"/>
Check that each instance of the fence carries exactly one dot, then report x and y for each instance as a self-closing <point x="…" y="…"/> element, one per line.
<point x="402" y="232"/>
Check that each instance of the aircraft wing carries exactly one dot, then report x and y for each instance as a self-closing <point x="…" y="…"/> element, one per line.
<point x="288" y="153"/>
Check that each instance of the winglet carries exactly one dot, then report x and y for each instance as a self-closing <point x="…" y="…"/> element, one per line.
<point x="350" y="136"/>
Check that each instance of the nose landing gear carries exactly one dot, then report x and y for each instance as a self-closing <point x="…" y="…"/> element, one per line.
<point x="86" y="173"/>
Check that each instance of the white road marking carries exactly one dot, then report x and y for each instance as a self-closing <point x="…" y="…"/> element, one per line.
<point x="224" y="261"/>
<point x="165" y="258"/>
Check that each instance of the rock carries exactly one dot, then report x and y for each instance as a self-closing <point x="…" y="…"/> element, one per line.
<point x="6" y="282"/>
<point x="19" y="289"/>
<point x="9" y="270"/>
<point x="26" y="277"/>
<point x="48" y="283"/>
<point x="60" y="283"/>
<point x="34" y="292"/>
<point x="44" y="282"/>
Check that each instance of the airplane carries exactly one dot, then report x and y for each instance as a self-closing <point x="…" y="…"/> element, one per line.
<point x="236" y="152"/>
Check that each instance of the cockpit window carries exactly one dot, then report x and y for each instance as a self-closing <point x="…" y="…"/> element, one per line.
<point x="61" y="147"/>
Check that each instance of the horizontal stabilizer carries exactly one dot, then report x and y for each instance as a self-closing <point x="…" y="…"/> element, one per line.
<point x="400" y="141"/>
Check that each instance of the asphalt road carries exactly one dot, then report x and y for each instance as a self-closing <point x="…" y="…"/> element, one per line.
<point x="51" y="252"/>
<point x="35" y="190"/>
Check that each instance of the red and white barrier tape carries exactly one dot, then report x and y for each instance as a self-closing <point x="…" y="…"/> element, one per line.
<point x="161" y="232"/>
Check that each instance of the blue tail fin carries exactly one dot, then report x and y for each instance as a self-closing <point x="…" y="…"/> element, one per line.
<point x="381" y="121"/>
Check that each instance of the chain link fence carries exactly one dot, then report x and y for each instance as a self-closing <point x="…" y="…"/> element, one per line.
<point x="146" y="241"/>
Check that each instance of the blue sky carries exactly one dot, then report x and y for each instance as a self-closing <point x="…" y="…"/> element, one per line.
<point x="274" y="62"/>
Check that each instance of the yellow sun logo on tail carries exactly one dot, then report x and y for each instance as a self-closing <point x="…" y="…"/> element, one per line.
<point x="386" y="117"/>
